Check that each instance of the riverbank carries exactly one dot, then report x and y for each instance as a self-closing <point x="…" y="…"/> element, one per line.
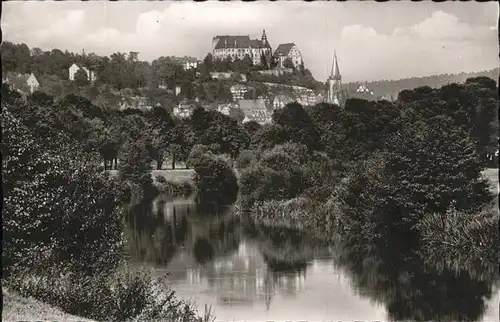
<point x="18" y="308"/>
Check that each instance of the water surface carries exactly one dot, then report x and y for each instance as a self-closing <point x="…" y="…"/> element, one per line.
<point x="252" y="273"/>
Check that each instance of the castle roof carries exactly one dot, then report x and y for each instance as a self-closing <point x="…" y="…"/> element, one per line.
<point x="284" y="49"/>
<point x="238" y="42"/>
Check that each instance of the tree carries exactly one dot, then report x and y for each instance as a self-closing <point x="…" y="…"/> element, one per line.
<point x="251" y="127"/>
<point x="58" y="209"/>
<point x="237" y="114"/>
<point x="288" y="63"/>
<point x="81" y="78"/>
<point x="263" y="61"/>
<point x="297" y="126"/>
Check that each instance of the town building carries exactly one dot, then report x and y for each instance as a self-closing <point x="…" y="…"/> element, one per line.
<point x="135" y="102"/>
<point x="237" y="47"/>
<point x="225" y="108"/>
<point x="23" y="83"/>
<point x="238" y="91"/>
<point x="255" y="110"/>
<point x="187" y="65"/>
<point x="306" y="98"/>
<point x="75" y="68"/>
<point x="281" y="100"/>
<point x="335" y="95"/>
<point x="276" y="71"/>
<point x="288" y="50"/>
<point x="362" y="92"/>
<point x="220" y="75"/>
<point x="184" y="109"/>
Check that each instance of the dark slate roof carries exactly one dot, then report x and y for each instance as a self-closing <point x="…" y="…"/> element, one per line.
<point x="255" y="110"/>
<point x="284" y="49"/>
<point x="238" y="42"/>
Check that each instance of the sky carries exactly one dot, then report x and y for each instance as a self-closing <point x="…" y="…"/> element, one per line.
<point x="373" y="41"/>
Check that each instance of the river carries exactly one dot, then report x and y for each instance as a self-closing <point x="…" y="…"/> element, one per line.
<point x="251" y="273"/>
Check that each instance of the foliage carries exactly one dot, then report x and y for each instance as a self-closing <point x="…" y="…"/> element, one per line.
<point x="282" y="173"/>
<point x="297" y="126"/>
<point x="218" y="131"/>
<point x="135" y="164"/>
<point x="215" y="180"/>
<point x="43" y="222"/>
<point x="81" y="78"/>
<point x="460" y="234"/>
<point x="245" y="159"/>
<point x="120" y="296"/>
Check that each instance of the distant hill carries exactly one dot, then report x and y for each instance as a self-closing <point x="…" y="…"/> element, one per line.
<point x="391" y="88"/>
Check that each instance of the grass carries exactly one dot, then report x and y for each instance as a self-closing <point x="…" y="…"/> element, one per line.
<point x="18" y="308"/>
<point x="178" y="175"/>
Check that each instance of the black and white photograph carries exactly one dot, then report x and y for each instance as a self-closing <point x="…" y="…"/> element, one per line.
<point x="250" y="161"/>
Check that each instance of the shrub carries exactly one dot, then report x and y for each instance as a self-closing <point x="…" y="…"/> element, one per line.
<point x="121" y="296"/>
<point x="215" y="180"/>
<point x="135" y="166"/>
<point x="292" y="213"/>
<point x="173" y="188"/>
<point x="198" y="152"/>
<point x="245" y="159"/>
<point x="459" y="234"/>
<point x="57" y="206"/>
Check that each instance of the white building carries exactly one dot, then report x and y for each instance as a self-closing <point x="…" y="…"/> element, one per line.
<point x="189" y="65"/>
<point x="289" y="50"/>
<point x="239" y="46"/>
<point x="75" y="68"/>
<point x="238" y="91"/>
<point x="22" y="82"/>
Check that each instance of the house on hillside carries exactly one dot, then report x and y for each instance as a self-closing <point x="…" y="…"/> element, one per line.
<point x="281" y="100"/>
<point x="23" y="83"/>
<point x="276" y="71"/>
<point x="184" y="109"/>
<point x="225" y="108"/>
<point x="255" y="110"/>
<point x="288" y="50"/>
<point x="220" y="75"/>
<point x="135" y="102"/>
<point x="238" y="91"/>
<point x="187" y="65"/>
<point x="306" y="98"/>
<point x="362" y="92"/>
<point x="75" y="68"/>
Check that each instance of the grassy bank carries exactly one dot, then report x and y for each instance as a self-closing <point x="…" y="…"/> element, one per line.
<point x="19" y="308"/>
<point x="180" y="175"/>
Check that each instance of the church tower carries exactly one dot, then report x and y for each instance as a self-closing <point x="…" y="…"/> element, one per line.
<point x="334" y="95"/>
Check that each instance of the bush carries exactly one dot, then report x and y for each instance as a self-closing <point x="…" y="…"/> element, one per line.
<point x="135" y="167"/>
<point x="57" y="206"/>
<point x="197" y="154"/>
<point x="215" y="180"/>
<point x="458" y="234"/>
<point x="245" y="159"/>
<point x="173" y="188"/>
<point x="287" y="171"/>
<point x="118" y="297"/>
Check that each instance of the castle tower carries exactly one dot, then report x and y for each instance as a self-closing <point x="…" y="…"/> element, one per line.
<point x="335" y="83"/>
<point x="264" y="37"/>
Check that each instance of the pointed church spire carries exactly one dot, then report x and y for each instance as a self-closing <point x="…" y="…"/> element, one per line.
<point x="335" y="73"/>
<point x="264" y="36"/>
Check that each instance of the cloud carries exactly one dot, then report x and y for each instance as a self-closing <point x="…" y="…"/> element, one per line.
<point x="73" y="23"/>
<point x="438" y="44"/>
<point x="442" y="26"/>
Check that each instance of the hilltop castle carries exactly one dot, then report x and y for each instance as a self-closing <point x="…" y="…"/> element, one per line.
<point x="237" y="47"/>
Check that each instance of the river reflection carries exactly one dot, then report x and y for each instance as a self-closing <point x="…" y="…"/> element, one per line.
<point x="252" y="273"/>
